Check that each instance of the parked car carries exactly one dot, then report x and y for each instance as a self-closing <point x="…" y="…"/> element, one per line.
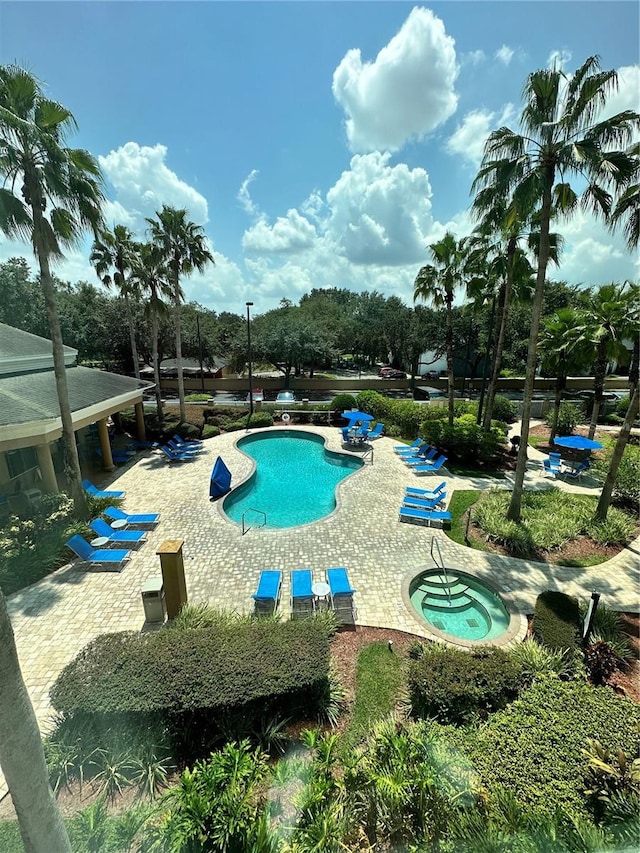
<point x="391" y="373"/>
<point x="286" y="398"/>
<point x="431" y="374"/>
<point x="258" y="395"/>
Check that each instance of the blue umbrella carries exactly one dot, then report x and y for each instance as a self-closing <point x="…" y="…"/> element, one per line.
<point x="357" y="416"/>
<point x="577" y="442"/>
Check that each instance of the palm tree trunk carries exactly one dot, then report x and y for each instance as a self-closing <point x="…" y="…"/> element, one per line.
<point x="607" y="490"/>
<point x="449" y="345"/>
<point x="176" y="296"/>
<point x="598" y="386"/>
<point x="156" y="362"/>
<point x="503" y="314"/>
<point x="22" y="757"/>
<point x="515" y="506"/>
<point x="556" y="411"/>
<point x="132" y="337"/>
<point x="71" y="461"/>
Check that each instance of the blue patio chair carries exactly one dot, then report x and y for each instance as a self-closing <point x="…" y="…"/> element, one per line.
<point x="376" y="432"/>
<point x="409" y="448"/>
<point x="430" y="518"/>
<point x="267" y="595"/>
<point x="146" y="519"/>
<point x="425" y="494"/>
<point x="424" y="503"/>
<point x="430" y="468"/>
<point x="128" y="537"/>
<point x="187" y="451"/>
<point x="192" y="442"/>
<point x="577" y="472"/>
<point x="172" y="456"/>
<point x="302" y="598"/>
<point x="341" y="595"/>
<point x="552" y="467"/>
<point x="90" y="489"/>
<point x="423" y="456"/>
<point x="111" y="559"/>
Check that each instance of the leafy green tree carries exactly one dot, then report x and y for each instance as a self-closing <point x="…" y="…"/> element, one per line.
<point x="60" y="196"/>
<point x="437" y="283"/>
<point x="21" y="302"/>
<point x="560" y="138"/>
<point x="113" y="255"/>
<point x="184" y="249"/>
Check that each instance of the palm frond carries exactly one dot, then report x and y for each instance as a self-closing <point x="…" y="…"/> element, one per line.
<point x="627" y="209"/>
<point x="15" y="218"/>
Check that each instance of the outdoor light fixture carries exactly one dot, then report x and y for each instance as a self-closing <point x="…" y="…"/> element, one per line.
<point x="249" y="306"/>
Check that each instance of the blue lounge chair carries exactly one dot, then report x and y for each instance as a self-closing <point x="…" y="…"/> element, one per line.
<point x="422" y="516"/>
<point x="110" y="559"/>
<point x="302" y="598"/>
<point x="376" y="432"/>
<point x="172" y="456"/>
<point x="267" y="594"/>
<point x="425" y="494"/>
<point x="90" y="489"/>
<point x="577" y="472"/>
<point x="341" y="594"/>
<point x="127" y="537"/>
<point x="409" y="448"/>
<point x="430" y="468"/>
<point x="552" y="467"/>
<point x="424" y="503"/>
<point x="147" y="519"/>
<point x="423" y="456"/>
<point x="187" y="451"/>
<point x="181" y="442"/>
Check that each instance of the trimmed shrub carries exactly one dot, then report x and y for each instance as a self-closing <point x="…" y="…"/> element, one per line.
<point x="456" y="687"/>
<point x="196" y="398"/>
<point x="556" y="620"/>
<point x="504" y="410"/>
<point x="188" y="430"/>
<point x="217" y="667"/>
<point x="465" y="440"/>
<point x="342" y="402"/>
<point x="260" y="419"/>
<point x="569" y="415"/>
<point x="210" y="431"/>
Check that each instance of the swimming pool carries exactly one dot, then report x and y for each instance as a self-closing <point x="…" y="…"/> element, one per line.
<point x="294" y="481"/>
<point x="459" y="606"/>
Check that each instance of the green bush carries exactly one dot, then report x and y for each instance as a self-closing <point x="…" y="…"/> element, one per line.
<point x="456" y="687"/>
<point x="464" y="441"/>
<point x="196" y="398"/>
<point x="569" y="415"/>
<point x="504" y="410"/>
<point x="534" y="747"/>
<point x="556" y="620"/>
<point x="260" y="419"/>
<point x="342" y="402"/>
<point x="626" y="490"/>
<point x="210" y="431"/>
<point x="216" y="667"/>
<point x="187" y="430"/>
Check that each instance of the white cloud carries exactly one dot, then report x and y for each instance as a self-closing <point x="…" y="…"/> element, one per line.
<point x="592" y="255"/>
<point x="246" y="202"/>
<point x="474" y="57"/>
<point x="627" y="95"/>
<point x="504" y="54"/>
<point x="406" y="92"/>
<point x="289" y="234"/>
<point x="469" y="137"/>
<point x="143" y="183"/>
<point x="312" y="206"/>
<point x="559" y="59"/>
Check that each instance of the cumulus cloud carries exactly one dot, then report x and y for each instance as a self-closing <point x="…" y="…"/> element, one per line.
<point x="469" y="137"/>
<point x="559" y="59"/>
<point x="504" y="54"/>
<point x="288" y="235"/>
<point x="246" y="202"/>
<point x="406" y="92"/>
<point x="143" y="183"/>
<point x="592" y="255"/>
<point x="474" y="57"/>
<point x="626" y="96"/>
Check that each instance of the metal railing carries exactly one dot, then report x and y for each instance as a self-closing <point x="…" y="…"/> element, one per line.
<point x="368" y="455"/>
<point x="246" y="528"/>
<point x="441" y="565"/>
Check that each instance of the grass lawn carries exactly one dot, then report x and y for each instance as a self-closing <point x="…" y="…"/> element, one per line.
<point x="458" y="505"/>
<point x="379" y="675"/>
<point x="481" y="474"/>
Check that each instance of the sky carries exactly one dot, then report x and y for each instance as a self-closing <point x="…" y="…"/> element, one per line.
<point x="319" y="144"/>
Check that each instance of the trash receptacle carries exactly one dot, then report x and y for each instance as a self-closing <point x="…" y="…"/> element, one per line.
<point x="153" y="600"/>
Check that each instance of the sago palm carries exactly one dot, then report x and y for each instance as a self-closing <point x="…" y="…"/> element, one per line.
<point x="560" y="139"/>
<point x="184" y="248"/>
<point x="437" y="283"/>
<point x="113" y="256"/>
<point x="50" y="195"/>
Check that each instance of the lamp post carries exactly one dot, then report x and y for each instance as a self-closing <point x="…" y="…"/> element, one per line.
<point x="249" y="305"/>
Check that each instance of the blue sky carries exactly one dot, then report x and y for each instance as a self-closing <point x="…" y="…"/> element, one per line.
<point x="319" y="143"/>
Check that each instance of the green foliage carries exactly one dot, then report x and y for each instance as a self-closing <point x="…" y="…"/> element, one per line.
<point x="556" y="620"/>
<point x="464" y="440"/>
<point x="210" y="431"/>
<point x="215" y="667"/>
<point x="626" y="490"/>
<point x="533" y="748"/>
<point x="343" y="402"/>
<point x="455" y="686"/>
<point x="504" y="409"/>
<point x="260" y="419"/>
<point x="569" y="415"/>
<point x="601" y="661"/>
<point x="187" y="430"/>
<point x="536" y="661"/>
<point x="607" y="626"/>
<point x="196" y="398"/>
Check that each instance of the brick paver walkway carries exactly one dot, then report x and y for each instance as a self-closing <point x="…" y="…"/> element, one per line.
<point x="54" y="619"/>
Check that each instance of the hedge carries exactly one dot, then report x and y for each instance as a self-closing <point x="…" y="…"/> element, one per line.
<point x="534" y="748"/>
<point x="556" y="620"/>
<point x="455" y="686"/>
<point x="215" y="667"/>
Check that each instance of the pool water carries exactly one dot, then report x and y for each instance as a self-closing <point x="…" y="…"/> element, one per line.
<point x="459" y="605"/>
<point x="294" y="481"/>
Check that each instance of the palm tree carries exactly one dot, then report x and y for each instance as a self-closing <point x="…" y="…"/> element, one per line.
<point x="437" y="283"/>
<point x="560" y="139"/>
<point x="151" y="277"/>
<point x="609" y="315"/>
<point x="60" y="195"/>
<point x="565" y="347"/>
<point x="115" y="250"/>
<point x="184" y="249"/>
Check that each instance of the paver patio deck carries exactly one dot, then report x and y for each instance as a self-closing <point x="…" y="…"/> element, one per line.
<point x="55" y="618"/>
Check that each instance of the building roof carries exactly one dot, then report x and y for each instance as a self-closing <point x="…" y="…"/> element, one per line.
<point x="22" y="352"/>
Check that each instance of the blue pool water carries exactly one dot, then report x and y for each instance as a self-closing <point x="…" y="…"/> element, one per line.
<point x="294" y="481"/>
<point x="459" y="605"/>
